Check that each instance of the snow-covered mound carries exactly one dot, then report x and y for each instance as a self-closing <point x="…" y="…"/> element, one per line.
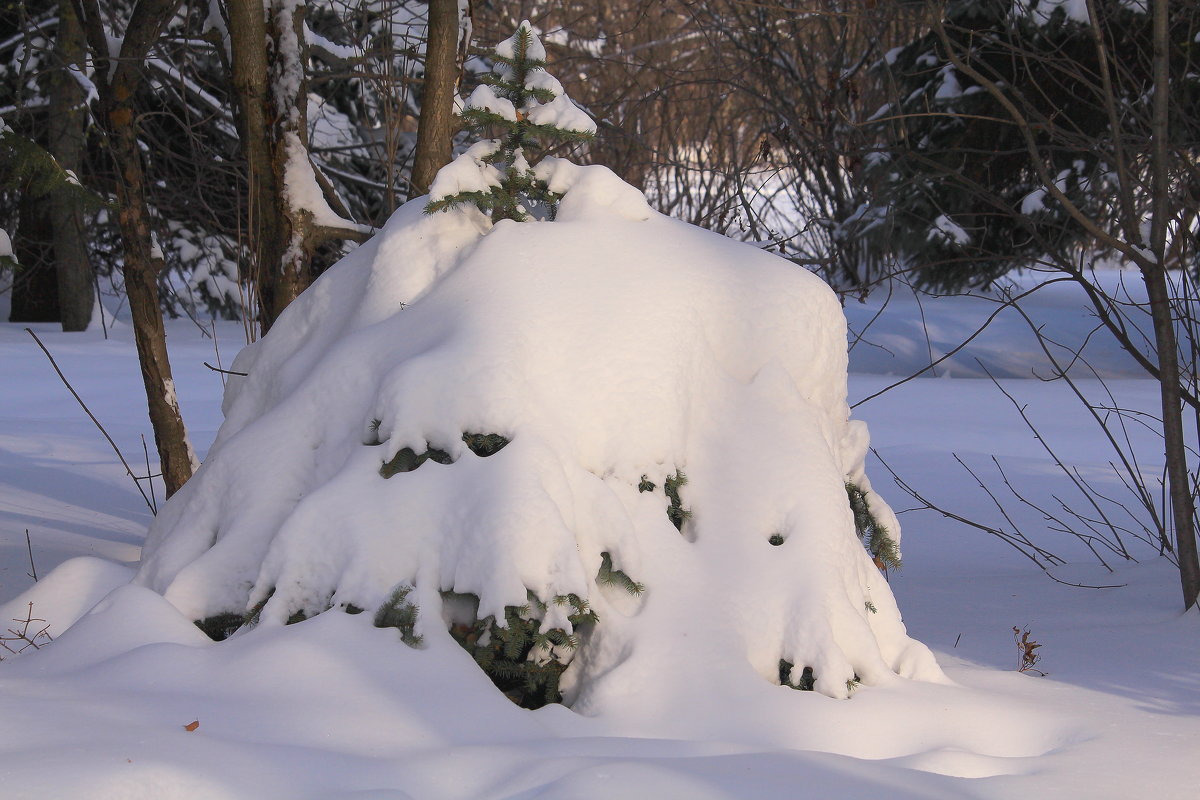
<point x="608" y="352"/>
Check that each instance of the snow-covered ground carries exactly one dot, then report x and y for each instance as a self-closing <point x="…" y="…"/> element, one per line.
<point x="334" y="708"/>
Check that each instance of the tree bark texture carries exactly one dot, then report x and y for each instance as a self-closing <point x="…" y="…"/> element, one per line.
<point x="252" y="93"/>
<point x="435" y="129"/>
<point x="270" y="85"/>
<point x="1178" y="476"/>
<point x="291" y="273"/>
<point x="117" y="86"/>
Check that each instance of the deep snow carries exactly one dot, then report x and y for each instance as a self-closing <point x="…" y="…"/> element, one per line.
<point x="335" y="708"/>
<point x="613" y="348"/>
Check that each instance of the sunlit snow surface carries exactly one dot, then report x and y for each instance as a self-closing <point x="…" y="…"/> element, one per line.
<point x="334" y="708"/>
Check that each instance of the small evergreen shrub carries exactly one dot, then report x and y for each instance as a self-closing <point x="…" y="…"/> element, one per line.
<point x="407" y="460"/>
<point x="806" y="681"/>
<point x="220" y="627"/>
<point x="527" y="106"/>
<point x="521" y="659"/>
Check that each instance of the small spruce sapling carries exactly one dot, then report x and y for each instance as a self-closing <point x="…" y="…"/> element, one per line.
<point x="527" y="106"/>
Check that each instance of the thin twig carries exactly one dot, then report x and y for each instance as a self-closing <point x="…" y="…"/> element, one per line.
<point x="1012" y="301"/>
<point x="1018" y="542"/>
<point x="217" y="350"/>
<point x="1013" y="541"/>
<point x="92" y="416"/>
<point x="32" y="567"/>
<point x="146" y="453"/>
<point x="225" y="371"/>
<point x="1080" y="485"/>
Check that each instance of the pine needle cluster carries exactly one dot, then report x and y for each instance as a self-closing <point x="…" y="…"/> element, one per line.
<point x="676" y="512"/>
<point x="875" y="536"/>
<point x="407" y="459"/>
<point x="607" y="576"/>
<point x="524" y="661"/>
<point x="400" y="613"/>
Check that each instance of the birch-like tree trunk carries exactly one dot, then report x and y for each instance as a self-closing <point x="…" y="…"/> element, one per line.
<point x="117" y="81"/>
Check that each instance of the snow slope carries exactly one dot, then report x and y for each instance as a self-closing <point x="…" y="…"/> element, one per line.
<point x="334" y="708"/>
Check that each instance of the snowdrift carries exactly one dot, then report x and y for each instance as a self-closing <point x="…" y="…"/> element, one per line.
<point x="605" y="356"/>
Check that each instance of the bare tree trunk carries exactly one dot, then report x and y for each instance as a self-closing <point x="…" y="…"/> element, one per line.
<point x="117" y="85"/>
<point x="66" y="121"/>
<point x="270" y="82"/>
<point x="1164" y="332"/>
<point x="251" y="88"/>
<point x="435" y="130"/>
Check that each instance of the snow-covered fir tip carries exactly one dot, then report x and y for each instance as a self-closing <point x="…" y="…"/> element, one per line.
<point x="528" y="107"/>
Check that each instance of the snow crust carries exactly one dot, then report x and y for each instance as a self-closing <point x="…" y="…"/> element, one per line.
<point x="612" y="346"/>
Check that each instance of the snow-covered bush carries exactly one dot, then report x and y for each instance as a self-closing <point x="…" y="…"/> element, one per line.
<point x="607" y="454"/>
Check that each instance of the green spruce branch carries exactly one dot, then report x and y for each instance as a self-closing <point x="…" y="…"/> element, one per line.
<point x="607" y="576"/>
<point x="874" y="535"/>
